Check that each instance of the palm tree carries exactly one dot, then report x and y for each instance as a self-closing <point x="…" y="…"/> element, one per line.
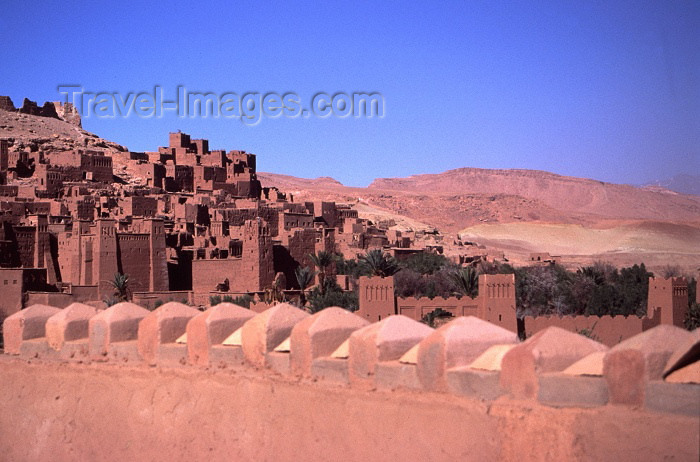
<point x="466" y="280"/>
<point x="120" y="284"/>
<point x="379" y="263"/>
<point x="321" y="260"/>
<point x="593" y="273"/>
<point x="305" y="276"/>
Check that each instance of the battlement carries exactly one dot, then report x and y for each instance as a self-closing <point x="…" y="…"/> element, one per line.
<point x="496" y="303"/>
<point x="468" y="368"/>
<point x="341" y="347"/>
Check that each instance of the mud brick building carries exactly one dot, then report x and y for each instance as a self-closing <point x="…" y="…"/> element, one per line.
<point x="251" y="270"/>
<point x="94" y="252"/>
<point x="4" y="161"/>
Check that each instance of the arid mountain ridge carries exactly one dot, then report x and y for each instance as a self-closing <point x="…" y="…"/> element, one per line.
<point x="567" y="194"/>
<point x="457" y="198"/>
<point x="523" y="211"/>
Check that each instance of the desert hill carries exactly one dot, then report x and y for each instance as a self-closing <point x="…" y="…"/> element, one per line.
<point x="682" y="183"/>
<point x="568" y="195"/>
<point x="459" y="198"/>
<point x="46" y="134"/>
<point x="523" y="211"/>
<point x="288" y="182"/>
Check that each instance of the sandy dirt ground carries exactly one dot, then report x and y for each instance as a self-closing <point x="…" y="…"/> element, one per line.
<point x="656" y="244"/>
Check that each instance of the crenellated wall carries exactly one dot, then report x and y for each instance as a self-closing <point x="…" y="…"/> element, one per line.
<point x="191" y="414"/>
<point x="496" y="303"/>
<point x="609" y="330"/>
<point x="175" y="383"/>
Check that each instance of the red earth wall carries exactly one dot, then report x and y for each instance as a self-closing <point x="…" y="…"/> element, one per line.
<point x="59" y="412"/>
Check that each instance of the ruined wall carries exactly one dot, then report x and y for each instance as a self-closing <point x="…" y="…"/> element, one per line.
<point x="57" y="110"/>
<point x="6" y="104"/>
<point x="67" y="112"/>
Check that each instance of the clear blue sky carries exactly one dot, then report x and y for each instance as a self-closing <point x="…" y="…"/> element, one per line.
<point x="606" y="90"/>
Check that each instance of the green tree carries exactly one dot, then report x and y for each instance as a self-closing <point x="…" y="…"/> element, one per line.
<point x="425" y="262"/>
<point x="437" y="313"/>
<point x="241" y="300"/>
<point x="692" y="291"/>
<point x="379" y="263"/>
<point x="466" y="280"/>
<point x="332" y="295"/>
<point x="580" y="289"/>
<point x="671" y="271"/>
<point x="120" y="286"/>
<point x="633" y="287"/>
<point x="305" y="277"/>
<point x="593" y="273"/>
<point x="692" y="317"/>
<point x="589" y="332"/>
<point x="321" y="260"/>
<point x="541" y="290"/>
